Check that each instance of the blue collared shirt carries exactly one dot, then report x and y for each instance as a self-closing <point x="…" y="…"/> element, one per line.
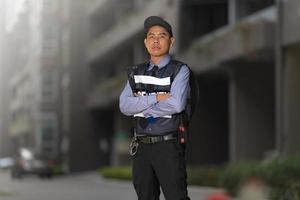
<point x="148" y="105"/>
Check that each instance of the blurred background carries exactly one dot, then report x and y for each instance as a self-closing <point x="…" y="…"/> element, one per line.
<point x="63" y="65"/>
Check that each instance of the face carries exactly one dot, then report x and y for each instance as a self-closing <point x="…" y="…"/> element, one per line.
<point x="158" y="41"/>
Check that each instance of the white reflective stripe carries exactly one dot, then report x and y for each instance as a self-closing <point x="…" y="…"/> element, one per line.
<point x="142" y="115"/>
<point x="158" y="93"/>
<point x="152" y="80"/>
<point x="142" y="93"/>
<point x="167" y="116"/>
<point x="139" y="115"/>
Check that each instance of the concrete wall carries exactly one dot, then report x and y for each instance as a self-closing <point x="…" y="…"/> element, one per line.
<point x="2" y="129"/>
<point x="103" y="129"/>
<point x="251" y="107"/>
<point x="251" y="38"/>
<point x="292" y="100"/>
<point x="291" y="18"/>
<point x="84" y="145"/>
<point x="5" y="142"/>
<point x="208" y="142"/>
<point x="123" y="133"/>
<point x="197" y="19"/>
<point x="248" y="7"/>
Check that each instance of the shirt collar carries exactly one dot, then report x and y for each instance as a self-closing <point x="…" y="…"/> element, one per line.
<point x="162" y="63"/>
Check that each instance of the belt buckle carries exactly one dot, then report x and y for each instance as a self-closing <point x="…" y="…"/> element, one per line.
<point x="148" y="140"/>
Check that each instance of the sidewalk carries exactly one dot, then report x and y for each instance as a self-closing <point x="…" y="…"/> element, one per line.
<point x="81" y="186"/>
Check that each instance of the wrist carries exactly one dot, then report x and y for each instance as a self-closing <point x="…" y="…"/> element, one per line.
<point x="157" y="98"/>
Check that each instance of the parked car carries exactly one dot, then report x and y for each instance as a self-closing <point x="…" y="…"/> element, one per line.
<point x="27" y="162"/>
<point x="6" y="162"/>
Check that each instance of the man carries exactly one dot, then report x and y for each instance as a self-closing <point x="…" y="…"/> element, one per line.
<point x="156" y="95"/>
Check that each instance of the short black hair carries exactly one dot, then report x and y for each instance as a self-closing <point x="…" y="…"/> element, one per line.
<point x="155" y="20"/>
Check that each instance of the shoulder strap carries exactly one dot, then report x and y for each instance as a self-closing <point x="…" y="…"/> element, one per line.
<point x="177" y="66"/>
<point x="194" y="93"/>
<point x="137" y="69"/>
<point x="194" y="89"/>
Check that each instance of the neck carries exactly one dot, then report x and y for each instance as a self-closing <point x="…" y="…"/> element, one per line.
<point x="156" y="59"/>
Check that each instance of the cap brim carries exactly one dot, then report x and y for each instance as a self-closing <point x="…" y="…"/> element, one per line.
<point x="157" y="21"/>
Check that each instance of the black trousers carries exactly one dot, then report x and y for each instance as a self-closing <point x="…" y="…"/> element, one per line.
<point x="161" y="164"/>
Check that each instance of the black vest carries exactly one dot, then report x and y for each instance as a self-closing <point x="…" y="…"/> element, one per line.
<point x="141" y="81"/>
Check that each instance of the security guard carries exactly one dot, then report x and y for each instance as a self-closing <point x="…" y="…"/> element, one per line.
<point x="156" y="96"/>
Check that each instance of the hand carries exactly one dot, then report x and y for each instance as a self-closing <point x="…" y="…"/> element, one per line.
<point x="162" y="97"/>
<point x="138" y="94"/>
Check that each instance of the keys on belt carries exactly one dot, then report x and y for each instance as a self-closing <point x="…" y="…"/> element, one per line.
<point x="133" y="147"/>
<point x="149" y="140"/>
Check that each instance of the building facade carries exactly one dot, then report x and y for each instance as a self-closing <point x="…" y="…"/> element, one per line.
<point x="249" y="98"/>
<point x="118" y="44"/>
<point x="33" y="119"/>
<point x="5" y="142"/>
<point x="67" y="75"/>
<point x="80" y="144"/>
<point x="44" y="106"/>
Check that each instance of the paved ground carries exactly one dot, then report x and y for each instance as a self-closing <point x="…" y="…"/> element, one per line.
<point x="86" y="186"/>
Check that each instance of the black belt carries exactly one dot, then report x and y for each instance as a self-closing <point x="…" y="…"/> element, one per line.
<point x="154" y="139"/>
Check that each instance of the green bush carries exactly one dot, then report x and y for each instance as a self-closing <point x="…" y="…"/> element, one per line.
<point x="58" y="170"/>
<point x="5" y="194"/>
<point x="281" y="174"/>
<point x="122" y="173"/>
<point x="204" y="175"/>
<point x="234" y="175"/>
<point x="281" y="170"/>
<point x="291" y="191"/>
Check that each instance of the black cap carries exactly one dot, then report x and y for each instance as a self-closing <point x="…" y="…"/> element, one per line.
<point x="155" y="20"/>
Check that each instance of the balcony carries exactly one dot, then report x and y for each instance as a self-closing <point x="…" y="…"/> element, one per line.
<point x="250" y="38"/>
<point x="124" y="31"/>
<point x="107" y="93"/>
<point x="19" y="127"/>
<point x="291" y="28"/>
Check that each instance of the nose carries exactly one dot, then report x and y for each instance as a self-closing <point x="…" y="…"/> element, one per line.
<point x="156" y="40"/>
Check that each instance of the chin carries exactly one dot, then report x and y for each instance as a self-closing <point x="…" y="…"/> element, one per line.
<point x="158" y="54"/>
<point x="155" y="54"/>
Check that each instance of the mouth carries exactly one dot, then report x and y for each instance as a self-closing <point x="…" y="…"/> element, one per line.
<point x="155" y="48"/>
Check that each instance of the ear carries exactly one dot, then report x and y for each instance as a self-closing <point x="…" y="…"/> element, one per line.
<point x="172" y="41"/>
<point x="145" y="43"/>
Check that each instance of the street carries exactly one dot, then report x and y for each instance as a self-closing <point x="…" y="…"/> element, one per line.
<point x="82" y="186"/>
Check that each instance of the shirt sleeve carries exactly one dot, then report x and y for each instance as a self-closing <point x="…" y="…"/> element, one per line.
<point x="131" y="105"/>
<point x="177" y="102"/>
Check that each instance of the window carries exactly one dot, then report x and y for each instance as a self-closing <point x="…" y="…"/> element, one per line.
<point x="49" y="85"/>
<point x="48" y="132"/>
<point x="66" y="10"/>
<point x="50" y="6"/>
<point x="66" y="48"/>
<point x="66" y="102"/>
<point x="50" y="41"/>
